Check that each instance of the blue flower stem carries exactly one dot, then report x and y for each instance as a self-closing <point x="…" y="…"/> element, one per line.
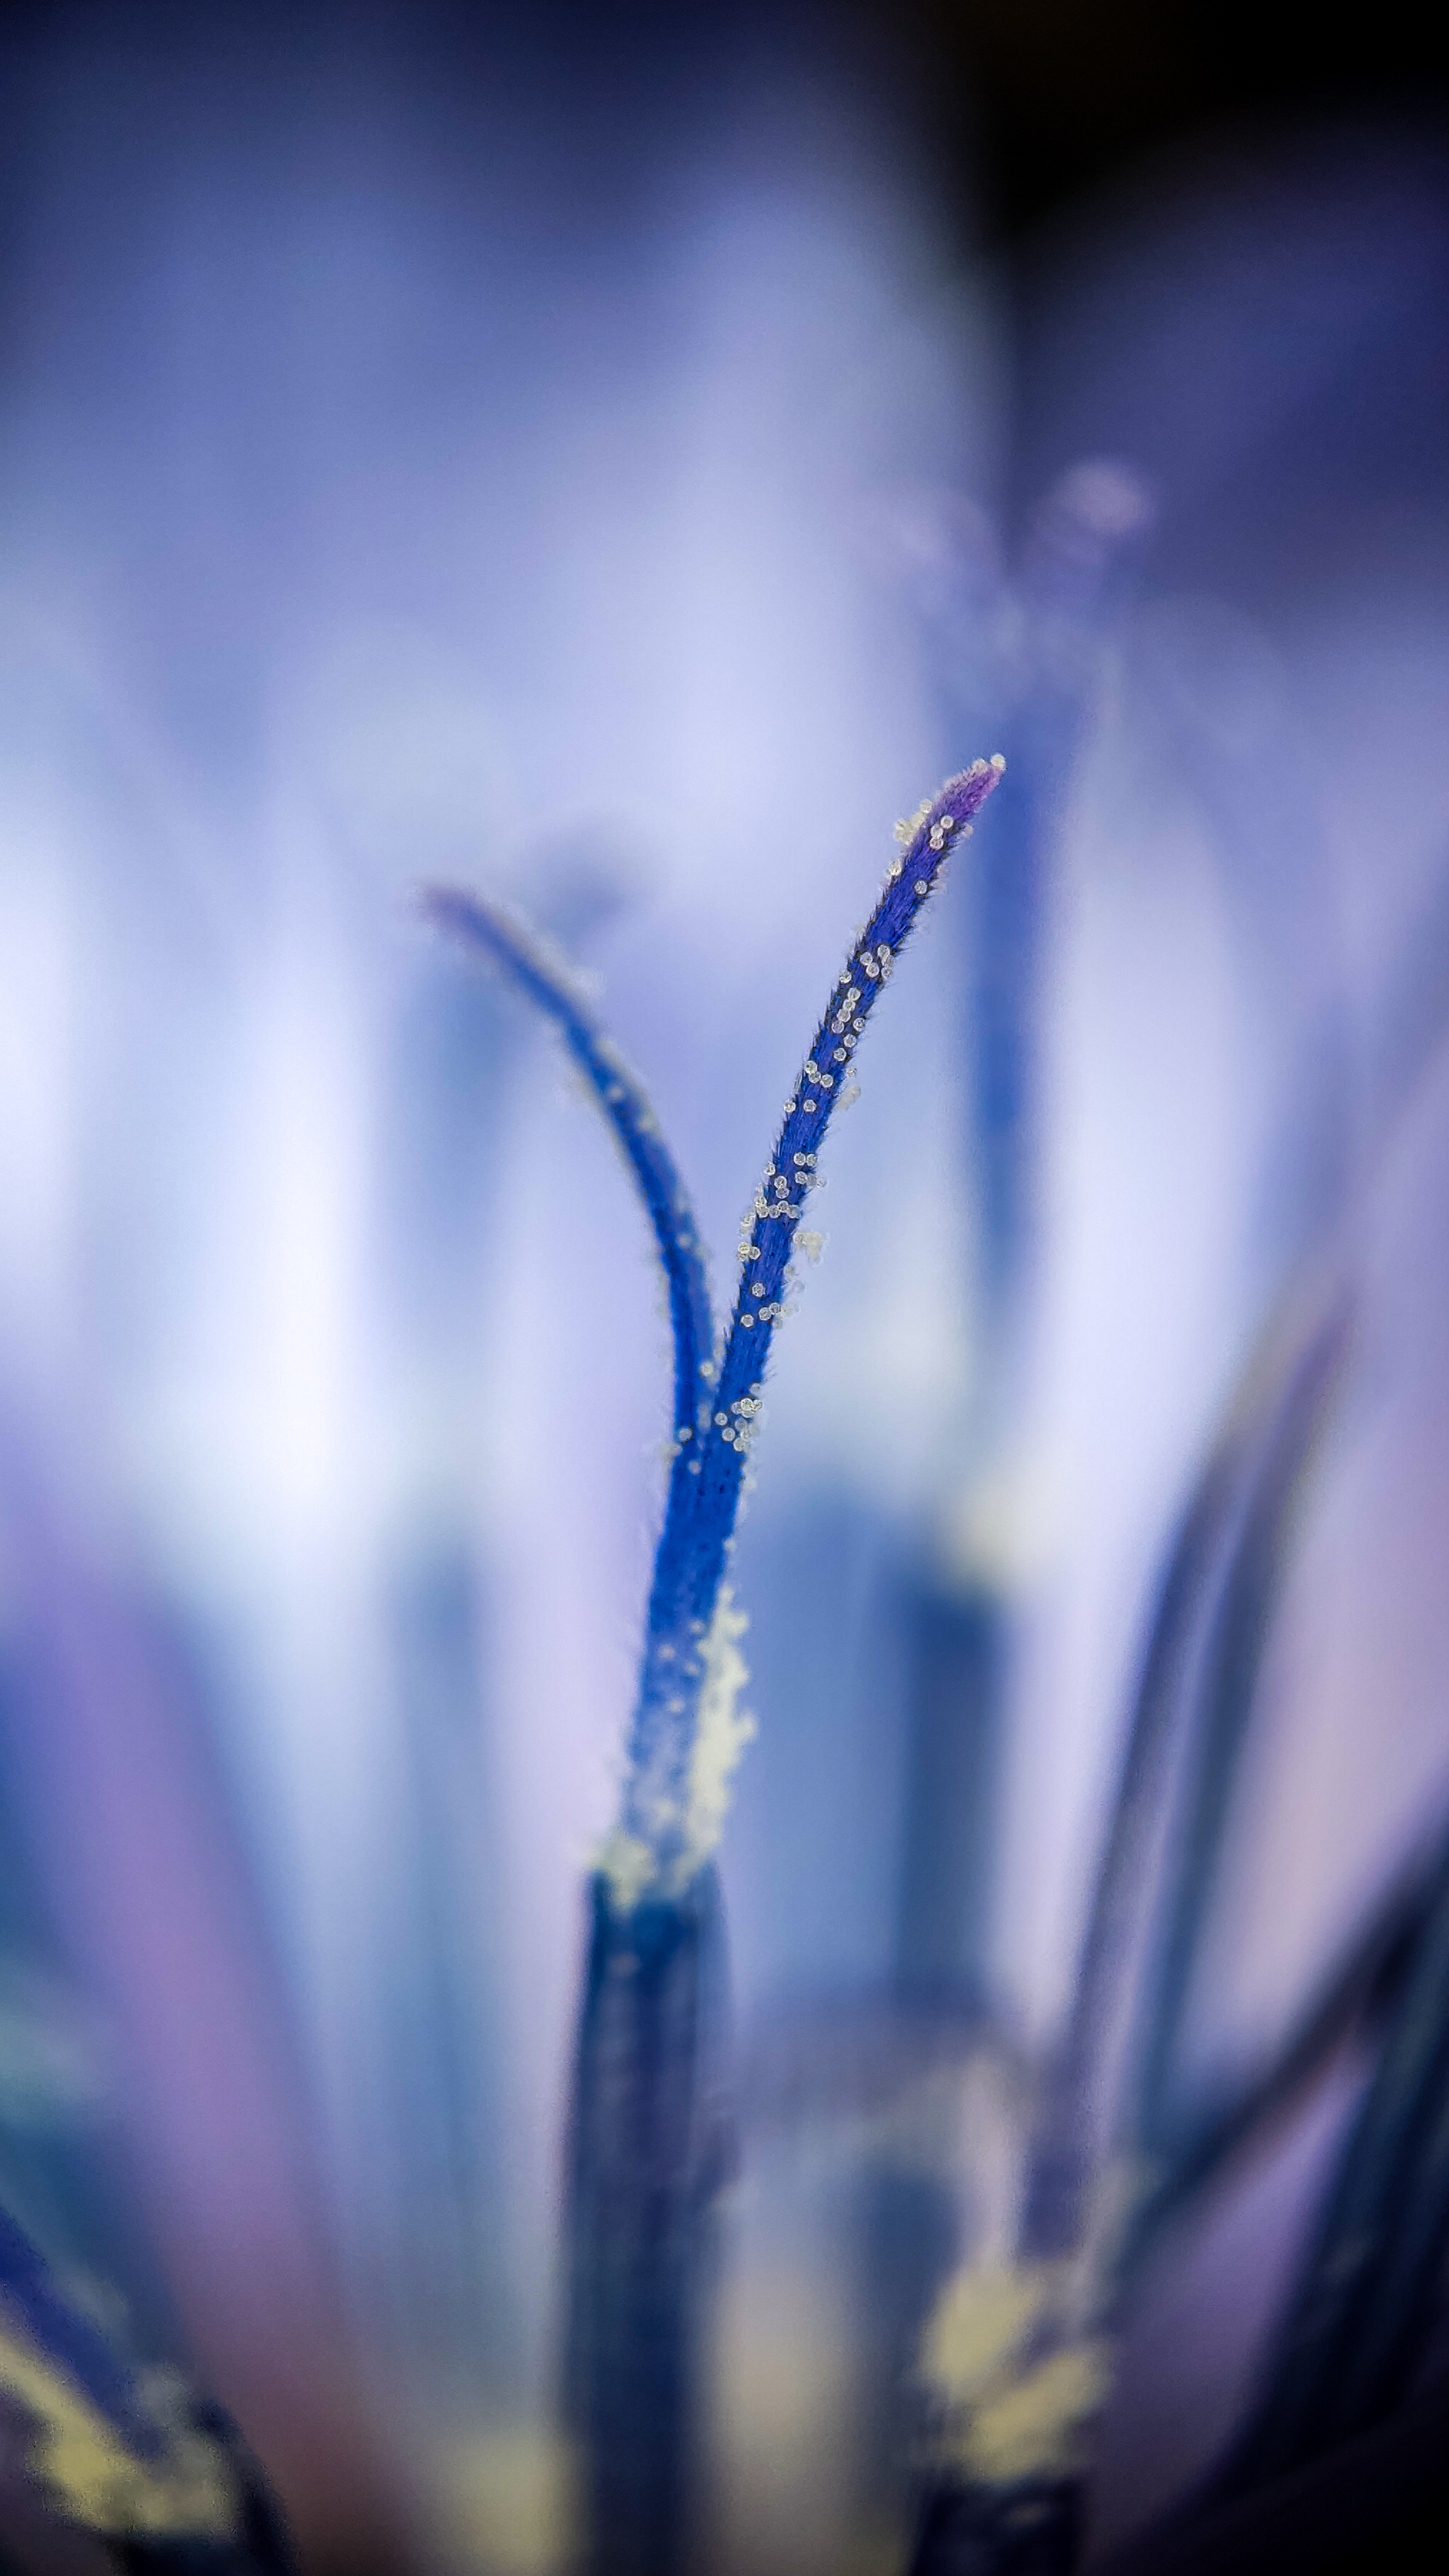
<point x="648" y="2139"/>
<point x="714" y="1440"/>
<point x="647" y="2127"/>
<point x="651" y="2143"/>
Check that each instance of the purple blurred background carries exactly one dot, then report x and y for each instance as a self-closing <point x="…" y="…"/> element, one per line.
<point x="593" y="455"/>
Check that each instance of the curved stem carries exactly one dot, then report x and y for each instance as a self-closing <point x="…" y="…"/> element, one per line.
<point x="546" y="979"/>
<point x="704" y="1500"/>
<point x="688" y="1636"/>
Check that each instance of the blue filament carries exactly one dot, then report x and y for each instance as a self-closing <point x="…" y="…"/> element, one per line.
<point x="546" y="980"/>
<point x="690" y="1563"/>
<point x="717" y="1397"/>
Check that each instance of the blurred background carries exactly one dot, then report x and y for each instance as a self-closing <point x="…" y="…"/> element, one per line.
<point x="621" y="460"/>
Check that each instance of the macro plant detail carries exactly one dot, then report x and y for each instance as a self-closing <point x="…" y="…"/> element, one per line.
<point x="685" y="1737"/>
<point x="474" y="2099"/>
<point x="650" y="2139"/>
<point x="1017" y="2358"/>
